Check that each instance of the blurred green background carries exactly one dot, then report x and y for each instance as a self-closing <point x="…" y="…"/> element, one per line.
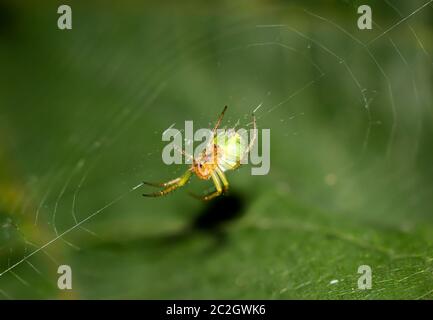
<point x="81" y="117"/>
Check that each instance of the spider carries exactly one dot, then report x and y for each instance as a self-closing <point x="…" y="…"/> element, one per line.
<point x="223" y="153"/>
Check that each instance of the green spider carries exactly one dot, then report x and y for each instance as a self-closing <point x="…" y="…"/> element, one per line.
<point x="225" y="152"/>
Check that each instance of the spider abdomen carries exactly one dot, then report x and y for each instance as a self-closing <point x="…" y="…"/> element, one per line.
<point x="230" y="147"/>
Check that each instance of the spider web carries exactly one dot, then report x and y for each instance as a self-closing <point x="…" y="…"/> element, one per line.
<point x="87" y="177"/>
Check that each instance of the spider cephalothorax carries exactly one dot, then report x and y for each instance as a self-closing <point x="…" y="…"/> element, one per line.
<point x="204" y="170"/>
<point x="224" y="152"/>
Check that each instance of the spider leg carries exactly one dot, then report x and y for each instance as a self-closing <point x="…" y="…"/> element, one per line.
<point x="224" y="180"/>
<point x="252" y="141"/>
<point x="162" y="184"/>
<point x="214" y="130"/>
<point x="219" y="121"/>
<point x="169" y="186"/>
<point x="183" y="152"/>
<point x="216" y="193"/>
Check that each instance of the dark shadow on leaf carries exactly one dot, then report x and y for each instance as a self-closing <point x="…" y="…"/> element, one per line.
<point x="218" y="212"/>
<point x="210" y="221"/>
